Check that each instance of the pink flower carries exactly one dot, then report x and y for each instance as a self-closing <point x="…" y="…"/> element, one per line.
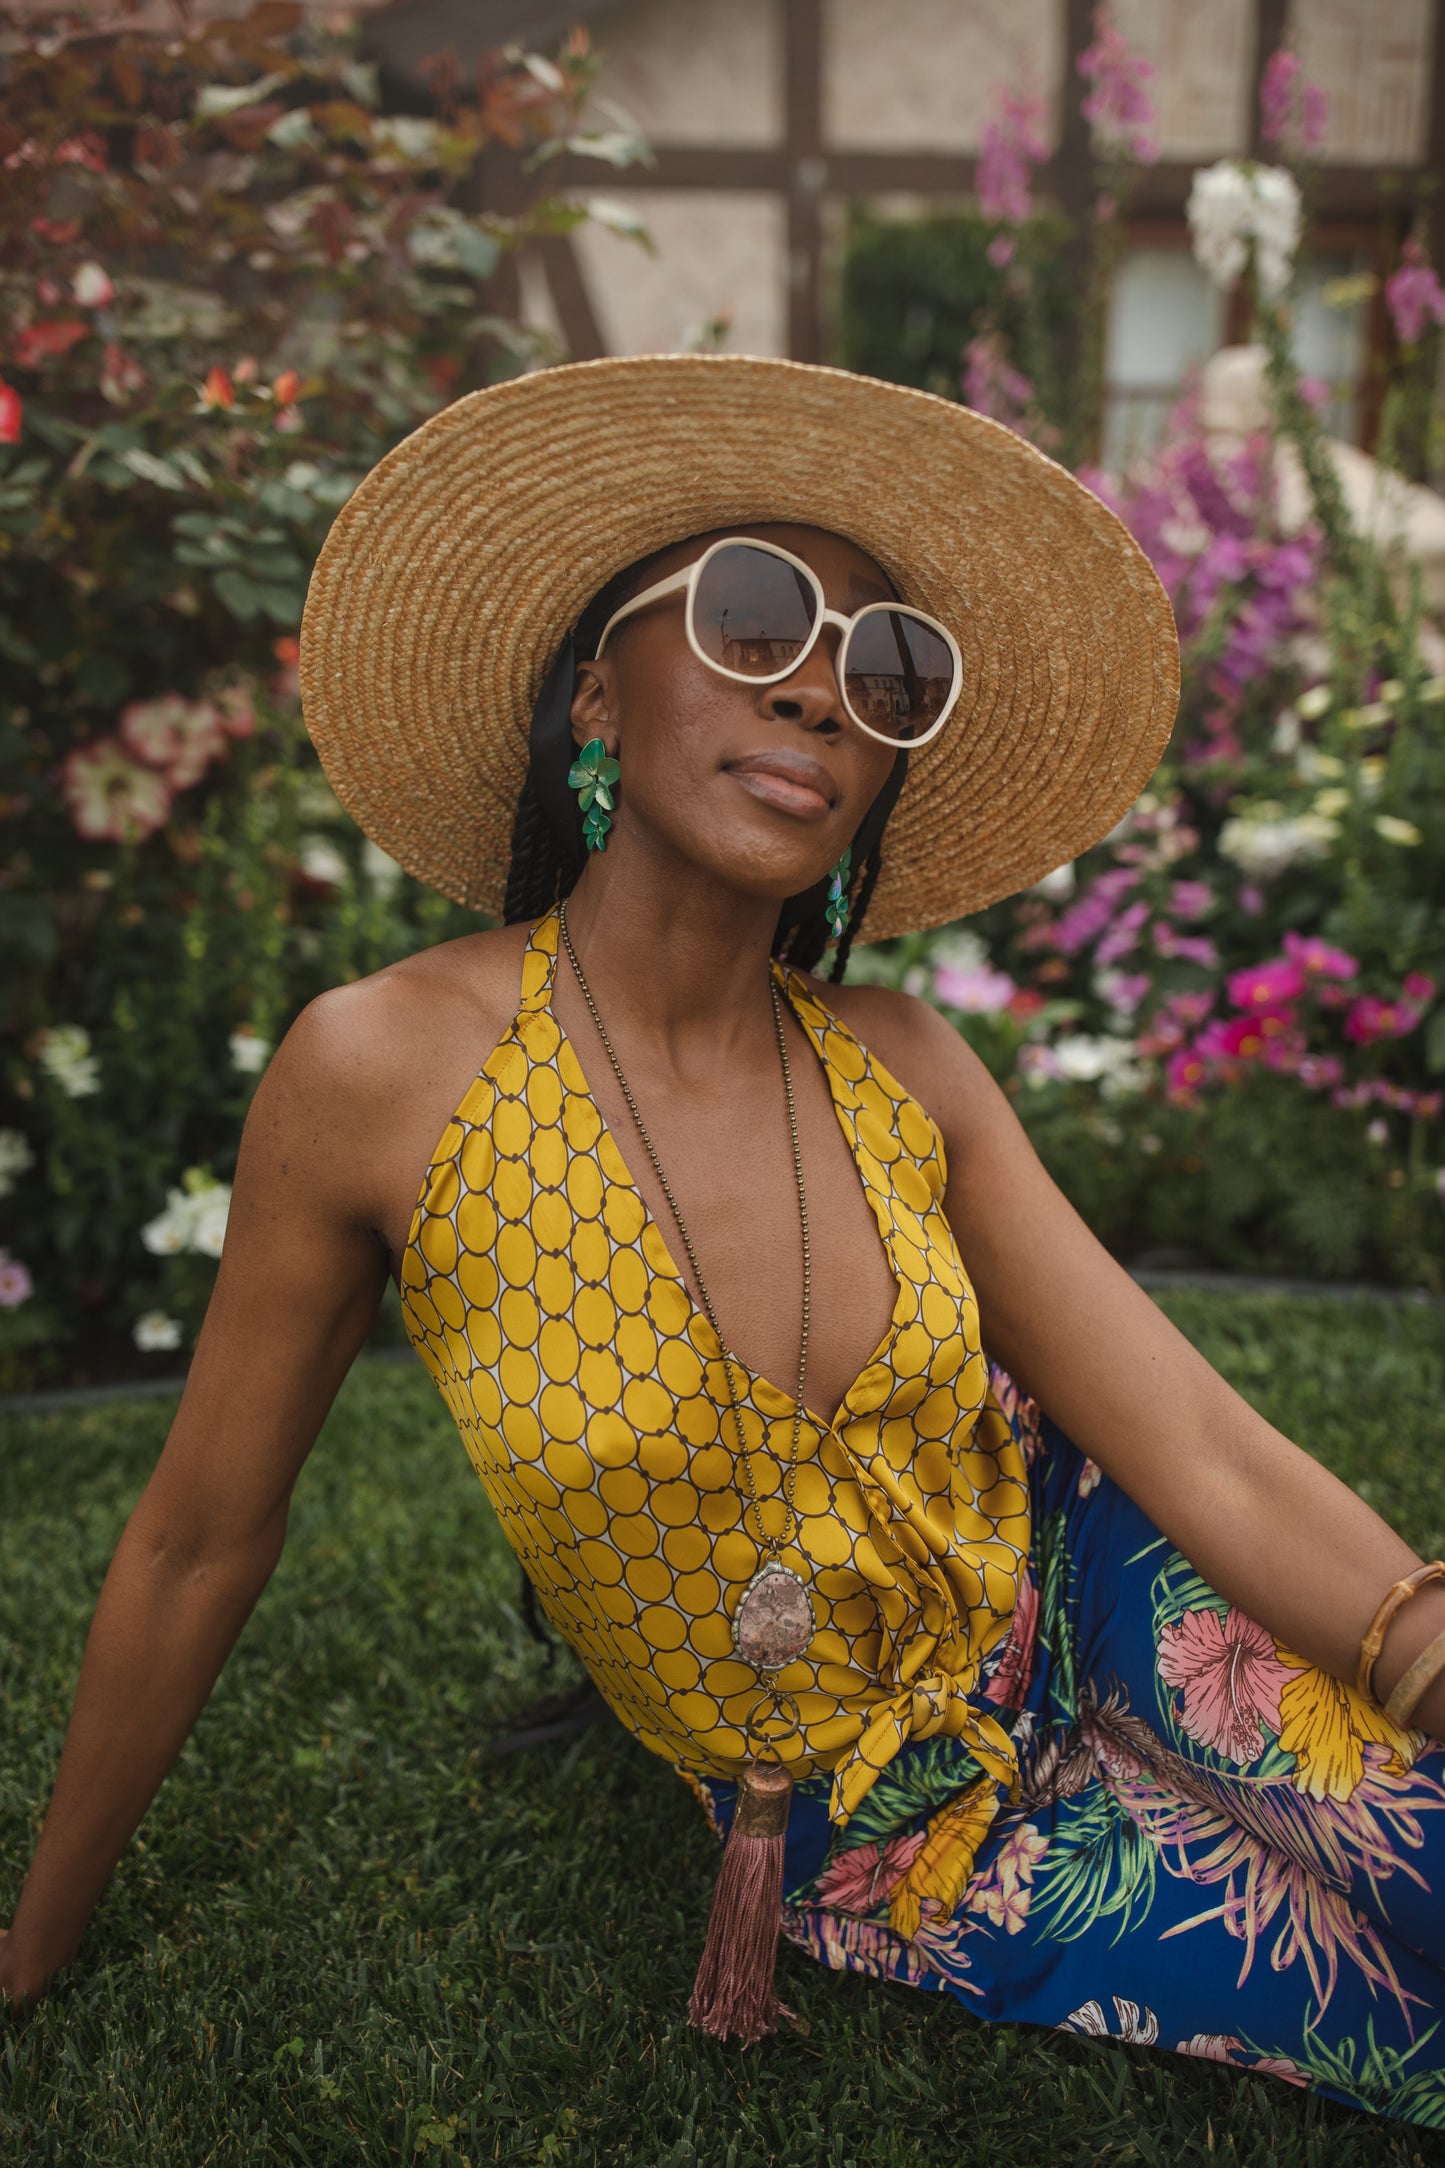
<point x="1230" y="1676"/>
<point x="112" y="798"/>
<point x="1224" y="2048"/>
<point x="991" y="385"/>
<point x="1292" y="112"/>
<point x="1117" y="104"/>
<point x="1190" y="899"/>
<point x="1009" y="1683"/>
<point x="1001" y="251"/>
<point x="48" y="341"/>
<point x="1003" y="1895"/>
<point x="1419" y="988"/>
<point x="1318" y="1071"/>
<point x="16" y="1285"/>
<point x="120" y="375"/>
<point x="290" y="421"/>
<point x="11" y="413"/>
<point x="1317" y="959"/>
<point x="1265" y="986"/>
<point x="860" y="1879"/>
<point x="1190" y="1008"/>
<point x="1007" y="147"/>
<point x="980" y="991"/>
<point x="1122" y="937"/>
<point x="181" y="736"/>
<point x="1415" y="295"/>
<point x="92" y="286"/>
<point x="1368" y="1018"/>
<point x="235" y="706"/>
<point x="1250" y="899"/>
<point x="1192" y="948"/>
<point x="1184" y="1072"/>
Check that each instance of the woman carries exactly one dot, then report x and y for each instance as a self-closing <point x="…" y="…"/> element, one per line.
<point x="737" y="659"/>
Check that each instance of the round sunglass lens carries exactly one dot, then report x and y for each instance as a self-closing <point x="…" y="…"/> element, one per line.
<point x="752" y="612"/>
<point x="900" y="674"/>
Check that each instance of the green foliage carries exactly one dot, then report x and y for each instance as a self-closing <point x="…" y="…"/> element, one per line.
<point x="228" y="284"/>
<point x="915" y="291"/>
<point x="346" y="1932"/>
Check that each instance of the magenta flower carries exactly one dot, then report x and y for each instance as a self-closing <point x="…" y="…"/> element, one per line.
<point x="1368" y="1018"/>
<point x="1415" y="296"/>
<point x="1230" y="1677"/>
<point x="16" y="1285"/>
<point x="1009" y="145"/>
<point x="1190" y="1008"/>
<point x="1418" y="988"/>
<point x="1265" y="986"/>
<point x="1317" y="959"/>
<point x="1117" y="104"/>
<point x="1184" y="1072"/>
<point x="1293" y="112"/>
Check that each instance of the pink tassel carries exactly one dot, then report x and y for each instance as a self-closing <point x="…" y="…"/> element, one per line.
<point x="734" y="1994"/>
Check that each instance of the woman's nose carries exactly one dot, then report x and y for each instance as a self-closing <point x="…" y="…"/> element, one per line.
<point x="811" y="695"/>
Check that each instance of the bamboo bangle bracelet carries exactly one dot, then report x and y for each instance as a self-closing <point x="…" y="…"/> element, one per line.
<point x="1374" y="1640"/>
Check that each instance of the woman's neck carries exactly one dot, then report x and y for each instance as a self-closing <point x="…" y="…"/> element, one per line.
<point x="675" y="958"/>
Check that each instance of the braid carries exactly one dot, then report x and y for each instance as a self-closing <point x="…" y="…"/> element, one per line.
<point x="855" y="916"/>
<point x="534" y="873"/>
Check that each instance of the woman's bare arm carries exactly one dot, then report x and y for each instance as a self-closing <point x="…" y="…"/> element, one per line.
<point x="297" y="1289"/>
<point x="1265" y="1525"/>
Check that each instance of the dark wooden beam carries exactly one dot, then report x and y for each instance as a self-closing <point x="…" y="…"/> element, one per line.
<point x="571" y="298"/>
<point x="803" y="124"/>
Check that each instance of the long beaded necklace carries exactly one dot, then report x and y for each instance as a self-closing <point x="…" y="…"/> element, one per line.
<point x="774" y="1622"/>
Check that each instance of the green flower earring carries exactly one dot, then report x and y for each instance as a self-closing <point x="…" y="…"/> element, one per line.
<point x="835" y="910"/>
<point x="592" y="775"/>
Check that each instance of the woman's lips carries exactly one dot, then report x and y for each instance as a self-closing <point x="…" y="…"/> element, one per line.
<point x="804" y="789"/>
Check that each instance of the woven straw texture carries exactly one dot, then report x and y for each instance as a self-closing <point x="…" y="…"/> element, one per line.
<point x="451" y="576"/>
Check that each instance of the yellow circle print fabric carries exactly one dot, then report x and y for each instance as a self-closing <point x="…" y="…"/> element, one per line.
<point x="591" y="1396"/>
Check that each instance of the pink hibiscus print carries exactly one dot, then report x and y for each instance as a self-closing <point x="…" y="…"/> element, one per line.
<point x="860" y="1879"/>
<point x="1230" y="1676"/>
<point x="1009" y="1684"/>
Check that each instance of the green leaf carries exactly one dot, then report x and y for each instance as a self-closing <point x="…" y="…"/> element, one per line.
<point x="150" y="469"/>
<point x="1435" y="1043"/>
<point x="239" y="596"/>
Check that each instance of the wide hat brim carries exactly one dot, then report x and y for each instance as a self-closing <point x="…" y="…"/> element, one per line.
<point x="452" y="575"/>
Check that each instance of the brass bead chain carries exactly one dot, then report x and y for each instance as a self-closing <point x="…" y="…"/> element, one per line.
<point x="771" y="1544"/>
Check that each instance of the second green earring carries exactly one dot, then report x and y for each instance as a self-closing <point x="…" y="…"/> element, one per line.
<point x="835" y="910"/>
<point x="592" y="775"/>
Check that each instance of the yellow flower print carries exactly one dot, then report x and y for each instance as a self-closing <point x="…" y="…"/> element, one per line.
<point x="1324" y="1723"/>
<point x="941" y="1870"/>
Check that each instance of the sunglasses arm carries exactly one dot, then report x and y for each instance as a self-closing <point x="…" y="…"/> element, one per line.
<point x="649" y="595"/>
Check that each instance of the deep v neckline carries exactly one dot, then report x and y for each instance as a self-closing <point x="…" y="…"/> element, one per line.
<point x="761" y="1389"/>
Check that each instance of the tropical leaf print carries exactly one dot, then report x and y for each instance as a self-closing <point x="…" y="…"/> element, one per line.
<point x="1373" y="2076"/>
<point x="917" y="1782"/>
<point x="1100" y="1865"/>
<point x="1133" y="2022"/>
<point x="1054" y="1565"/>
<point x="846" y="1944"/>
<point x="940" y="1869"/>
<point x="860" y="1877"/>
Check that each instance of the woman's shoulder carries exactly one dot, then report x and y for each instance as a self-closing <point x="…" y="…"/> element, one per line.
<point x="406" y="1032"/>
<point x="911" y="1040"/>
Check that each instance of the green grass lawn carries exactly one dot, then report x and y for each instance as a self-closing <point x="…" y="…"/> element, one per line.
<point x="346" y="1934"/>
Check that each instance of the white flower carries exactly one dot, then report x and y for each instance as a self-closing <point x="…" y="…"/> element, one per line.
<point x="1313" y="766"/>
<point x="1378" y="1131"/>
<point x="1332" y="802"/>
<point x="1313" y="704"/>
<point x="16" y="1158"/>
<point x="156" y="1331"/>
<point x="1286" y="733"/>
<point x="1059" y="885"/>
<point x="1266" y="846"/>
<point x="64" y="1054"/>
<point x="1396" y="831"/>
<point x="192" y="1220"/>
<point x="250" y="1052"/>
<point x="1109" y="1062"/>
<point x="1233" y="208"/>
<point x="382" y="873"/>
<point x="322" y="862"/>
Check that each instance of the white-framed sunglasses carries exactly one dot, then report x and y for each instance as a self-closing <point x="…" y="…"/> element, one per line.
<point x="754" y="611"/>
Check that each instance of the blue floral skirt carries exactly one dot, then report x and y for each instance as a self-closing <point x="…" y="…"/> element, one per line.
<point x="1217" y="1849"/>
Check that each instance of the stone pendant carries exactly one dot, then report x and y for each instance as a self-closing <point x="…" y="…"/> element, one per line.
<point x="774" y="1621"/>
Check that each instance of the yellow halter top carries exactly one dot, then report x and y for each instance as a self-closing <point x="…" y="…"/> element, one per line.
<point x="591" y="1397"/>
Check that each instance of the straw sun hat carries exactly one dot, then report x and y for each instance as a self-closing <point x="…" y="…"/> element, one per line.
<point x="452" y="576"/>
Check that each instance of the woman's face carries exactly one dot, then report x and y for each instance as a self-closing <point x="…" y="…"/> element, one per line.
<point x="765" y="785"/>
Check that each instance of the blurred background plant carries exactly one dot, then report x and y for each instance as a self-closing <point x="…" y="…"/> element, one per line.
<point x="228" y="284"/>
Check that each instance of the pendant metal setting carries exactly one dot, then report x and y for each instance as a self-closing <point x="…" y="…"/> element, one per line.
<point x="774" y="1621"/>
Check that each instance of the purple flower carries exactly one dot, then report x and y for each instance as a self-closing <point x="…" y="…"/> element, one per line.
<point x="1415" y="295"/>
<point x="1092" y="913"/>
<point x="1009" y="145"/>
<point x="1122" y="937"/>
<point x="1250" y="899"/>
<point x="1190" y="948"/>
<point x="16" y="1285"/>
<point x="1117" y="104"/>
<point x="1292" y="112"/>
<point x="992" y="386"/>
<point x="980" y="991"/>
<point x="1190" y="899"/>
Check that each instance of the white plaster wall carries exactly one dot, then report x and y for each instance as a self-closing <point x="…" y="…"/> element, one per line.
<point x="717" y="250"/>
<point x="1204" y="55"/>
<point x="697" y="71"/>
<point x="925" y="74"/>
<point x="1372" y="58"/>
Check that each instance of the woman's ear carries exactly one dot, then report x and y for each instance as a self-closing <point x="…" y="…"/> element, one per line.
<point x="591" y="706"/>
